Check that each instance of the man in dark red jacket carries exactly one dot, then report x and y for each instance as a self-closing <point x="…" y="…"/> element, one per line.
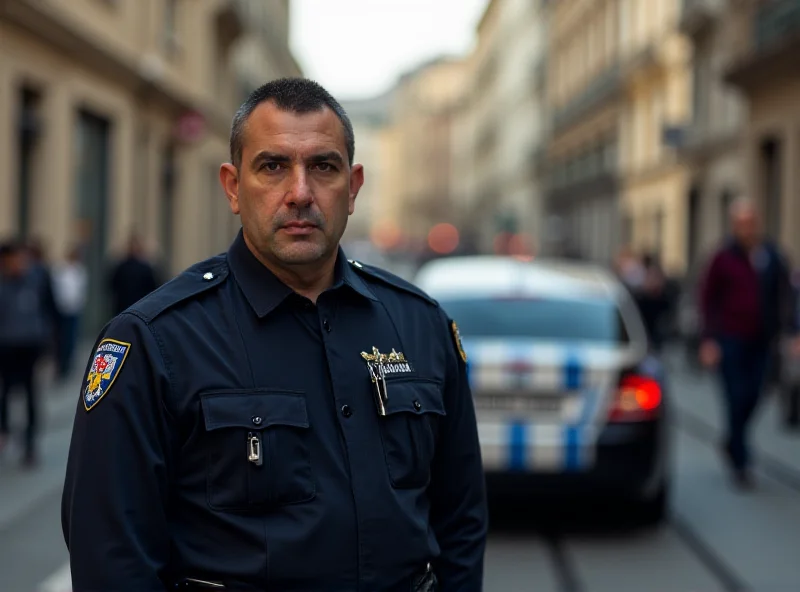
<point x="745" y="303"/>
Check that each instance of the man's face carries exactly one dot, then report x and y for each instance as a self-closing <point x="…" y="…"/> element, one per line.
<point x="745" y="226"/>
<point x="14" y="263"/>
<point x="294" y="189"/>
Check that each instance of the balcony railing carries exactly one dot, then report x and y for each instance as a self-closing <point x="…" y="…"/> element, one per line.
<point x="604" y="87"/>
<point x="701" y="6"/>
<point x="697" y="14"/>
<point x="776" y="20"/>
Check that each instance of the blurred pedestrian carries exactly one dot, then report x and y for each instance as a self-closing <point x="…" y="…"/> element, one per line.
<point x="279" y="417"/>
<point x="745" y="305"/>
<point x="27" y="314"/>
<point x="70" y="286"/>
<point x="650" y="293"/>
<point x="133" y="278"/>
<point x="39" y="264"/>
<point x="629" y="268"/>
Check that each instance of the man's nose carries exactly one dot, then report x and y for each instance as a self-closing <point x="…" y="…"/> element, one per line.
<point x="299" y="193"/>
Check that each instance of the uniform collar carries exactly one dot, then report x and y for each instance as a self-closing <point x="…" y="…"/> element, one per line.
<point x="262" y="288"/>
<point x="346" y="275"/>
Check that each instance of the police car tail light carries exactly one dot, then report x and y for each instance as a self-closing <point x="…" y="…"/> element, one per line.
<point x="638" y="399"/>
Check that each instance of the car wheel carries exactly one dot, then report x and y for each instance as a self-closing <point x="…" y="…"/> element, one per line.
<point x="652" y="511"/>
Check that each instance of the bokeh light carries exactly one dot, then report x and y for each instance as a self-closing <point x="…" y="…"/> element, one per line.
<point x="386" y="234"/>
<point x="443" y="238"/>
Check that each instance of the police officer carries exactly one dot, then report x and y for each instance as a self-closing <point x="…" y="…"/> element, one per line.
<point x="278" y="417"/>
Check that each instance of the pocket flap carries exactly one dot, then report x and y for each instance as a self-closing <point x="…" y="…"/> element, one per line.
<point x="414" y="396"/>
<point x="254" y="409"/>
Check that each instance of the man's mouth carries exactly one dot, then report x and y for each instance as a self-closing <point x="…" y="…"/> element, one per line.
<point x="298" y="228"/>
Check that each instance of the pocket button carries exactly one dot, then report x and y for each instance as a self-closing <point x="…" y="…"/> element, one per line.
<point x="346" y="411"/>
<point x="256" y="420"/>
<point x="417" y="405"/>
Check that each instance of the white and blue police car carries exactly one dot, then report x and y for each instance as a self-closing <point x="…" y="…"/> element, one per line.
<point x="568" y="397"/>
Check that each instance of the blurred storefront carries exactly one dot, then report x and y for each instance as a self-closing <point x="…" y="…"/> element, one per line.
<point x="656" y="74"/>
<point x="585" y="100"/>
<point x="115" y="116"/>
<point x="404" y="139"/>
<point x="766" y="69"/>
<point x="422" y="111"/>
<point x="711" y="146"/>
<point x="500" y="126"/>
<point x="376" y="216"/>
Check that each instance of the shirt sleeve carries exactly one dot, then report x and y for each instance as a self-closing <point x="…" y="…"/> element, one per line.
<point x="457" y="491"/>
<point x="707" y="298"/>
<point x="115" y="494"/>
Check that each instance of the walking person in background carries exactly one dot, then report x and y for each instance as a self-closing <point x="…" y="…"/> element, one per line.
<point x="629" y="269"/>
<point x="27" y="315"/>
<point x="132" y="279"/>
<point x="653" y="300"/>
<point x="744" y="307"/>
<point x="38" y="264"/>
<point x="70" y="282"/>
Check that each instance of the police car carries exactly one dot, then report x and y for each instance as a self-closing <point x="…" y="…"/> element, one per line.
<point x="567" y="395"/>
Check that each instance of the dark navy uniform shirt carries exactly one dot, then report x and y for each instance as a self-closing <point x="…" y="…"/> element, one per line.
<point x="228" y="431"/>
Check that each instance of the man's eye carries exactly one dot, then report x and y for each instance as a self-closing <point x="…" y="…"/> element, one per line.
<point x="324" y="167"/>
<point x="271" y="166"/>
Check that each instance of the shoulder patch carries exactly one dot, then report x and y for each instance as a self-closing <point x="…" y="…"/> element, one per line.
<point x="457" y="339"/>
<point x="195" y="280"/>
<point x="390" y="279"/>
<point x="106" y="364"/>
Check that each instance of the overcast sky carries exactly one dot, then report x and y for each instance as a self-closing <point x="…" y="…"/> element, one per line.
<point x="358" y="48"/>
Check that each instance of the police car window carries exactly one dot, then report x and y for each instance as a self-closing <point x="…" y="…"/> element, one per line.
<point x="551" y="319"/>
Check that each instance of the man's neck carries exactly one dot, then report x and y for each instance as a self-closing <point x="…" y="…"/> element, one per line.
<point x="307" y="280"/>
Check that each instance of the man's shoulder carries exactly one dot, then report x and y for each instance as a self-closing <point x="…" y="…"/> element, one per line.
<point x="198" y="279"/>
<point x="377" y="276"/>
<point x="727" y="251"/>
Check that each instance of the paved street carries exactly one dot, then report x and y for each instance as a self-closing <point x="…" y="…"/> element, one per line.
<point x="717" y="539"/>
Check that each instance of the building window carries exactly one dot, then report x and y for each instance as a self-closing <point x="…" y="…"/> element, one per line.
<point x="773" y="171"/>
<point x="693" y="234"/>
<point x="171" y="26"/>
<point x="29" y="134"/>
<point x="92" y="197"/>
<point x="610" y="156"/>
<point x="626" y="235"/>
<point x="658" y="233"/>
<point x="726" y="201"/>
<point x="699" y="89"/>
<point x="169" y="184"/>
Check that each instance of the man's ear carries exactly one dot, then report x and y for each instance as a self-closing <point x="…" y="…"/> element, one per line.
<point x="356" y="181"/>
<point x="229" y="178"/>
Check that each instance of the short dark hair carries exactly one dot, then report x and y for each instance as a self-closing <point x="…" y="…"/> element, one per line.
<point x="299" y="95"/>
<point x="10" y="246"/>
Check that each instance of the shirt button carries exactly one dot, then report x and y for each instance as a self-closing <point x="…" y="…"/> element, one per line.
<point x="256" y="420"/>
<point x="326" y="325"/>
<point x="346" y="411"/>
<point x="417" y="405"/>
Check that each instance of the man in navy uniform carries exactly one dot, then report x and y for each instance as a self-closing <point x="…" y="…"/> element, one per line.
<point x="278" y="417"/>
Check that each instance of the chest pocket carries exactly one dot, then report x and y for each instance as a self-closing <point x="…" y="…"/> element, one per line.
<point x="257" y="449"/>
<point x="409" y="430"/>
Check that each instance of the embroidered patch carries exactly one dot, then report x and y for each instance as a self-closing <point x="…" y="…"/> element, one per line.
<point x="107" y="362"/>
<point x="457" y="337"/>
